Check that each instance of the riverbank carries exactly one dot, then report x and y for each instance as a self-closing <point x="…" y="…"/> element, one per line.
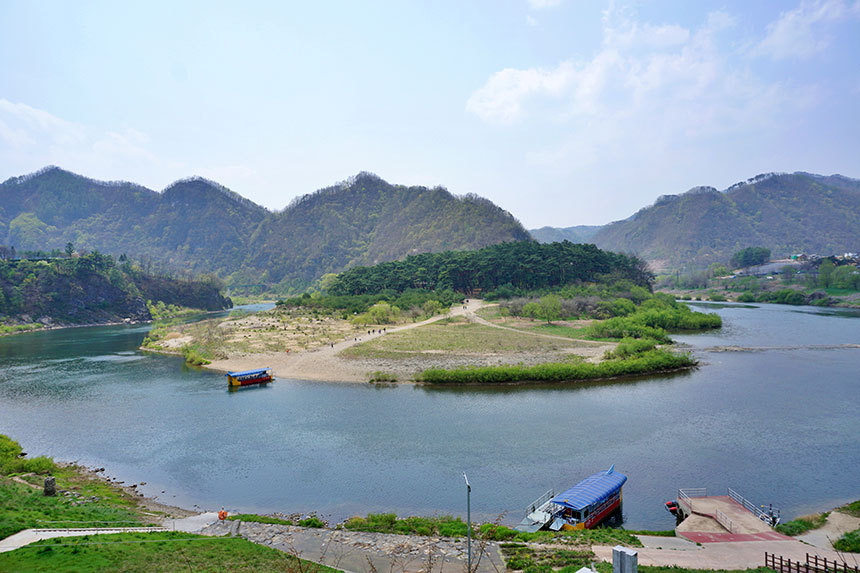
<point x="460" y="342"/>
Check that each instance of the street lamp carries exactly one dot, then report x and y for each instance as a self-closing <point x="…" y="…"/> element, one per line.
<point x="468" y="521"/>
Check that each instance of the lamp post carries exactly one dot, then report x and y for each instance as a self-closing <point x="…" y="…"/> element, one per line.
<point x="468" y="522"/>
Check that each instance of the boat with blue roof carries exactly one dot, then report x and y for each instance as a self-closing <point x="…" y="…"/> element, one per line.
<point x="249" y="377"/>
<point x="584" y="506"/>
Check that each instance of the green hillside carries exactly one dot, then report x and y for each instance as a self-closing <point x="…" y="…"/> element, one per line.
<point x="366" y="220"/>
<point x="787" y="213"/>
<point x="576" y="234"/>
<point x="94" y="289"/>
<point x="201" y="226"/>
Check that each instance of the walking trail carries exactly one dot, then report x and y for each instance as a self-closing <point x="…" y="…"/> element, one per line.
<point x="324" y="364"/>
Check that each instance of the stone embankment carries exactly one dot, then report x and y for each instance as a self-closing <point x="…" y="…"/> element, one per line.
<point x="365" y="551"/>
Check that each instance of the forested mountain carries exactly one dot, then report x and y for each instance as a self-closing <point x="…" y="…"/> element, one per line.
<point x="577" y="234"/>
<point x="94" y="289"/>
<point x="786" y="213"/>
<point x="194" y="223"/>
<point x="200" y="225"/>
<point x="366" y="220"/>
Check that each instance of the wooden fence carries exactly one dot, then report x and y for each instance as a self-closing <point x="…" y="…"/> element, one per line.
<point x="814" y="564"/>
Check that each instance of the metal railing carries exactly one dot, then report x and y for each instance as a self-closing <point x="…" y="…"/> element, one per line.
<point x="540" y="502"/>
<point x="748" y="504"/>
<point x="685" y="497"/>
<point x="724" y="520"/>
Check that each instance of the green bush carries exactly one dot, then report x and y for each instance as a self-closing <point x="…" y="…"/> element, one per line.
<point x="312" y="521"/>
<point x="626" y="327"/>
<point x="631" y="347"/>
<point x="651" y="361"/>
<point x="802" y="524"/>
<point x="850" y="542"/>
<point x="444" y="526"/>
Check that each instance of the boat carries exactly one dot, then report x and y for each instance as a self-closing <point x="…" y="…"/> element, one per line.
<point x="249" y="377"/>
<point x="672" y="507"/>
<point x="584" y="506"/>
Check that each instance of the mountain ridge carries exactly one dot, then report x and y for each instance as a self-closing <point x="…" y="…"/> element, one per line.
<point x="202" y="226"/>
<point x="785" y="212"/>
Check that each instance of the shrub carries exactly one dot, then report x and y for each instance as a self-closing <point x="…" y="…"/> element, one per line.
<point x="631" y="347"/>
<point x="651" y="361"/>
<point x="312" y="521"/>
<point x="849" y="542"/>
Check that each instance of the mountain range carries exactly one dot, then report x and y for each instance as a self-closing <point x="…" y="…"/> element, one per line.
<point x="201" y="226"/>
<point x="787" y="213"/>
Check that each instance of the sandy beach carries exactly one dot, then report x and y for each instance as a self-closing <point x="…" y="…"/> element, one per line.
<point x="326" y="363"/>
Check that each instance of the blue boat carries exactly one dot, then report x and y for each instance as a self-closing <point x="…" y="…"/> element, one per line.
<point x="248" y="377"/>
<point x="584" y="506"/>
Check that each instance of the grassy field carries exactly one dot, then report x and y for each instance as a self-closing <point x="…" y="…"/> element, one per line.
<point x="89" y="502"/>
<point x="146" y="552"/>
<point x="454" y="336"/>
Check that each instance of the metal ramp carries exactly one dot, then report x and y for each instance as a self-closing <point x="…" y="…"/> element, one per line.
<point x="539" y="513"/>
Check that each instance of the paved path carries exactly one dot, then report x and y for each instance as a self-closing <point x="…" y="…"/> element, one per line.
<point x="837" y="525"/>
<point x="725" y="555"/>
<point x="29" y="536"/>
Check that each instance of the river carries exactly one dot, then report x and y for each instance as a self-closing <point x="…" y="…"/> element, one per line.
<point x="780" y="425"/>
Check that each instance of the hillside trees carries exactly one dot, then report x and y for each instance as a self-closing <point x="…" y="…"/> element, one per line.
<point x="523" y="265"/>
<point x="750" y="256"/>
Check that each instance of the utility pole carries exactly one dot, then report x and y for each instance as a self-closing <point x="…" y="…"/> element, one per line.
<point x="468" y="522"/>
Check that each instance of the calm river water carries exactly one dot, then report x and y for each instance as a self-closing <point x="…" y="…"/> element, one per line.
<point x="780" y="425"/>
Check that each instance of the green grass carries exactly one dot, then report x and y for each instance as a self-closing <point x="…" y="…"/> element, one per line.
<point x="452" y="337"/>
<point x="253" y="517"/>
<point x="92" y="502"/>
<point x="145" y="552"/>
<point x="17" y="328"/>
<point x="651" y="361"/>
<point x="659" y="533"/>
<point x="802" y="524"/>
<point x="852" y="508"/>
<point x="850" y="542"/>
<point x="599" y="536"/>
<point x="310" y="521"/>
<point x="561" y="330"/>
<point x="442" y="526"/>
<point x="382" y="376"/>
<point x="520" y="557"/>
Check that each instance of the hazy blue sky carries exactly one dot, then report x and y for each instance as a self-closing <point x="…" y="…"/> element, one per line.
<point x="563" y="112"/>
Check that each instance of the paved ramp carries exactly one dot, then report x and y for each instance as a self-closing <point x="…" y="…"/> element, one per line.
<point x="720" y="519"/>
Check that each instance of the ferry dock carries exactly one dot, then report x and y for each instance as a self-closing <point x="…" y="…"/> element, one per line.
<point x="707" y="518"/>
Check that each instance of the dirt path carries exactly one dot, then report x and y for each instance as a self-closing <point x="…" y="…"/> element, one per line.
<point x="837" y="525"/>
<point x="323" y="364"/>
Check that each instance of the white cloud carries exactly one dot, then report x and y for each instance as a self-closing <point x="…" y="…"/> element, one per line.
<point x="647" y="98"/>
<point x="32" y="138"/>
<point x="501" y="99"/>
<point x="801" y="33"/>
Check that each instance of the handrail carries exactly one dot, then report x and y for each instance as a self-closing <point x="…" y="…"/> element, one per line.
<point x="724" y="520"/>
<point x="747" y="504"/>
<point x="540" y="502"/>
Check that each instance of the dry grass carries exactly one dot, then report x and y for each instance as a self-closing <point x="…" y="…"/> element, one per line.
<point x="453" y="336"/>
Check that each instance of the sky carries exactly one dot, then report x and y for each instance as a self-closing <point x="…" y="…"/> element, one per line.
<point x="563" y="112"/>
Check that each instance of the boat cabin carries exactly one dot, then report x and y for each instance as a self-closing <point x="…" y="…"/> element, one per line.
<point x="248" y="377"/>
<point x="584" y="506"/>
